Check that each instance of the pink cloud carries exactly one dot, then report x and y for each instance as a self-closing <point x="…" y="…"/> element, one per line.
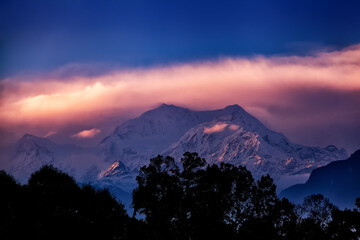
<point x="50" y="133"/>
<point x="87" y="133"/>
<point x="219" y="127"/>
<point x="234" y="127"/>
<point x="287" y="93"/>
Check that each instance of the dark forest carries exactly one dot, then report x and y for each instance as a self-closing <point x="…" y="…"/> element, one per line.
<point x="192" y="200"/>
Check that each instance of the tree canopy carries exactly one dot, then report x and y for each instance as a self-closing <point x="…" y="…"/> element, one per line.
<point x="200" y="201"/>
<point x="185" y="200"/>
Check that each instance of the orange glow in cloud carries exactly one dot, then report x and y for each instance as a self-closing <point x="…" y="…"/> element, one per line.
<point x="50" y="133"/>
<point x="234" y="127"/>
<point x="219" y="127"/>
<point x="258" y="84"/>
<point x="87" y="133"/>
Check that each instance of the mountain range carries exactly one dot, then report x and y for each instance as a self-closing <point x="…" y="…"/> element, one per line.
<point x="32" y="152"/>
<point x="339" y="181"/>
<point x="229" y="135"/>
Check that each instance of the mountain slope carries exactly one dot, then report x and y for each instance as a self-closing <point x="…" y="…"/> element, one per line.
<point x="270" y="153"/>
<point x="225" y="135"/>
<point x="339" y="181"/>
<point x="136" y="140"/>
<point x="32" y="152"/>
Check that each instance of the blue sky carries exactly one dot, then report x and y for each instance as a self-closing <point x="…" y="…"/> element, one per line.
<point x="73" y="65"/>
<point x="43" y="35"/>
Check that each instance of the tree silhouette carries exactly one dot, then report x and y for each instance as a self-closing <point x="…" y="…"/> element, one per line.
<point x="345" y="224"/>
<point x="211" y="195"/>
<point x="357" y="203"/>
<point x="219" y="201"/>
<point x="317" y="208"/>
<point x="158" y="196"/>
<point x="192" y="162"/>
<point x="10" y="205"/>
<point x="194" y="201"/>
<point x="315" y="216"/>
<point x="264" y="204"/>
<point x="53" y="206"/>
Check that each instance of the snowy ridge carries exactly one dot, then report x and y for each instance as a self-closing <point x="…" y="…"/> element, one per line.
<point x="136" y="140"/>
<point x="271" y="153"/>
<point x="32" y="152"/>
<point x="228" y="135"/>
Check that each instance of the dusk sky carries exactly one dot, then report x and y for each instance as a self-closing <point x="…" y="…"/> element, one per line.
<point x="77" y="68"/>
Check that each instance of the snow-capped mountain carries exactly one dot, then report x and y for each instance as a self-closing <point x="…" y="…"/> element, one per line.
<point x="136" y="140"/>
<point x="228" y="135"/>
<point x="269" y="152"/>
<point x="32" y="152"/>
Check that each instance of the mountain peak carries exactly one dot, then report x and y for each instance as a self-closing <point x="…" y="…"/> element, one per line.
<point x="165" y="110"/>
<point x="235" y="106"/>
<point x="32" y="138"/>
<point x="28" y="137"/>
<point x="29" y="141"/>
<point x="165" y="106"/>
